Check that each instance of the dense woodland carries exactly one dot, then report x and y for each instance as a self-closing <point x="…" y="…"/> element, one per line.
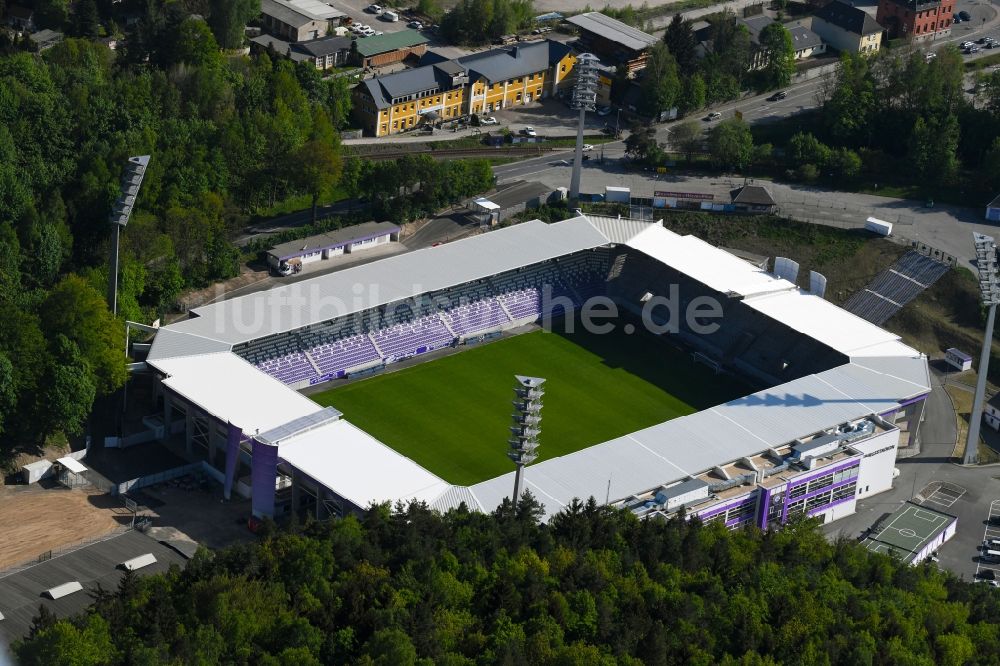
<point x="594" y="586"/>
<point x="228" y="136"/>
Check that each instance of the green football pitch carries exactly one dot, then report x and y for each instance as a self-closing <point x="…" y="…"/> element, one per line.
<point x="451" y="415"/>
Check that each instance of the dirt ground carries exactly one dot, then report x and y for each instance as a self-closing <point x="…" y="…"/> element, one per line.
<point x="36" y="520"/>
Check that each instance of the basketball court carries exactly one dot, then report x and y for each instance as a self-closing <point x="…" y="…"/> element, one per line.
<point x="908" y="531"/>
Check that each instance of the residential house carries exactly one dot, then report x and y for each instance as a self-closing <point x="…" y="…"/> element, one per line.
<point x="20" y="18"/>
<point x="324" y="53"/>
<point x="917" y="20"/>
<point x="993" y="210"/>
<point x="298" y="20"/>
<point x="445" y="89"/>
<point x="388" y="49"/>
<point x="805" y="42"/>
<point x="847" y="28"/>
<point x="614" y="42"/>
<point x="46" y="39"/>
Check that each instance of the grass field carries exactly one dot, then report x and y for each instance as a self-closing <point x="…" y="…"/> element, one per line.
<point x="451" y="415"/>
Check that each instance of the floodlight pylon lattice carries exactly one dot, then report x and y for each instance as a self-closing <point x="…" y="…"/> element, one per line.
<point x="585" y="99"/>
<point x="525" y="427"/>
<point x="135" y="169"/>
<point x="989" y="292"/>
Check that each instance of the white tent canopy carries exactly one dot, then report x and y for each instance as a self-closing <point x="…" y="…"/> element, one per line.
<point x="72" y="465"/>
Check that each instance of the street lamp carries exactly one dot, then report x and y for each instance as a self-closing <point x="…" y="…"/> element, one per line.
<point x="989" y="291"/>
<point x="135" y="169"/>
<point x="525" y="427"/>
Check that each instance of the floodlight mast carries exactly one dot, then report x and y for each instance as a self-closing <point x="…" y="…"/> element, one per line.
<point x="989" y="291"/>
<point x="584" y="99"/>
<point x="135" y="169"/>
<point x="525" y="428"/>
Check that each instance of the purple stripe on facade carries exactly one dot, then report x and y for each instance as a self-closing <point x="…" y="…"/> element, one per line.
<point x="737" y="521"/>
<point x="824" y="489"/>
<point x="904" y="404"/>
<point x="763" y="508"/>
<point x="263" y="472"/>
<point x="234" y="435"/>
<point x="823" y="508"/>
<point x="826" y="470"/>
<point x="725" y="507"/>
<point x="334" y="246"/>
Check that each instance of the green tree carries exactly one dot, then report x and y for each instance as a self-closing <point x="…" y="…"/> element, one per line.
<point x="779" y="55"/>
<point x="228" y="19"/>
<point x="318" y="167"/>
<point x="687" y="137"/>
<point x="69" y="390"/>
<point x="804" y="148"/>
<point x="195" y="44"/>
<point x="51" y="13"/>
<point x="8" y="395"/>
<point x="86" y="23"/>
<point x="694" y="93"/>
<point x="430" y="8"/>
<point x="730" y="144"/>
<point x="73" y="308"/>
<point x="65" y="643"/>
<point x="660" y="85"/>
<point x="642" y="146"/>
<point x="680" y="40"/>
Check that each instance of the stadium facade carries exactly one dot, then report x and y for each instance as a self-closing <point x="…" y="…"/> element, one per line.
<point x="842" y="393"/>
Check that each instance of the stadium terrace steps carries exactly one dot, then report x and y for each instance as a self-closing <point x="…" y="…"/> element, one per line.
<point x="476" y="317"/>
<point x="327" y="351"/>
<point x="409" y="339"/>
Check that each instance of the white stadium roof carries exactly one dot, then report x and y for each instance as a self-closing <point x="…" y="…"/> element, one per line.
<point x="333" y="454"/>
<point x="882" y="371"/>
<point x="387" y="281"/>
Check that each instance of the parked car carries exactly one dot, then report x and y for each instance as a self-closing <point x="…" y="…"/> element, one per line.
<point x="965" y="45"/>
<point x="991" y="45"/>
<point x="416" y="25"/>
<point x="715" y="115"/>
<point x="965" y="16"/>
<point x="930" y="56"/>
<point x="529" y="131"/>
<point x="488" y="120"/>
<point x="971" y="50"/>
<point x="781" y="94"/>
<point x="374" y="9"/>
<point x="587" y="147"/>
<point x="389" y="15"/>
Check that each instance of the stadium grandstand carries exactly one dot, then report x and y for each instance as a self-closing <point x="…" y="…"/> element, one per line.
<point x="840" y="396"/>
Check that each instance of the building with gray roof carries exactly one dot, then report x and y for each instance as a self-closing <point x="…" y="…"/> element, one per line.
<point x="614" y="42"/>
<point x="451" y="88"/>
<point x="847" y="28"/>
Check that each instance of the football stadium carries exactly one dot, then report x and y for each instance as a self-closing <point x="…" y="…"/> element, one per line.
<point x="677" y="376"/>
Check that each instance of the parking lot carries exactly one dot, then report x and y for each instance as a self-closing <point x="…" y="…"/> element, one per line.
<point x="356" y="10"/>
<point x="988" y="568"/>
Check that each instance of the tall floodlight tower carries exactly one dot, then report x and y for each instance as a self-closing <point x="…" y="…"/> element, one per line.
<point x="135" y="169"/>
<point x="525" y="429"/>
<point x="584" y="99"/>
<point x="989" y="290"/>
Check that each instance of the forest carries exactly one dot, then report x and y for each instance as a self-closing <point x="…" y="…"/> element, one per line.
<point x="229" y="137"/>
<point x="595" y="585"/>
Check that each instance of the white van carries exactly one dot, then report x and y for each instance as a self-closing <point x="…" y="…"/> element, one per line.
<point x="389" y="15"/>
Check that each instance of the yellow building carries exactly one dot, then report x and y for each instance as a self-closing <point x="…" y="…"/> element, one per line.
<point x="442" y="89"/>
